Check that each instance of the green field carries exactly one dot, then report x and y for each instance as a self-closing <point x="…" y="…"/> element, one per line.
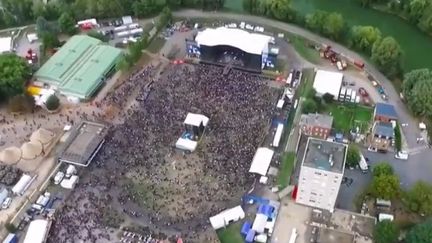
<point x="231" y="234"/>
<point x="308" y="53"/>
<point x="346" y="117"/>
<point x="285" y="170"/>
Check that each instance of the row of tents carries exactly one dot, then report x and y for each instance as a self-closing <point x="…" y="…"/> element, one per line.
<point x="30" y="150"/>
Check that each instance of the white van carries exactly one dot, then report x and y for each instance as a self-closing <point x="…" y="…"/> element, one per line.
<point x="363" y="164"/>
<point x="403" y="155"/>
<point x="385" y="216"/>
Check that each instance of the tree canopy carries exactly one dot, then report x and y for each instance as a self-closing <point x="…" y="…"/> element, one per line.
<point x="363" y="37"/>
<point x="385" y="187"/>
<point x="382" y="168"/>
<point x="385" y="232"/>
<point x="67" y="24"/>
<point x="14" y="72"/>
<point x="309" y="106"/>
<point x="52" y="103"/>
<point x="328" y="24"/>
<point x="387" y="54"/>
<point x="417" y="87"/>
<point x="419" y="198"/>
<point x="353" y="156"/>
<point x="421" y="233"/>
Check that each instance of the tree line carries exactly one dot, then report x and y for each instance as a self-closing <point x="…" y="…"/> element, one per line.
<point x="417" y="12"/>
<point x="20" y="12"/>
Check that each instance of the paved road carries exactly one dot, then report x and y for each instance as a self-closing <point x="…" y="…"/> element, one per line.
<point x="419" y="166"/>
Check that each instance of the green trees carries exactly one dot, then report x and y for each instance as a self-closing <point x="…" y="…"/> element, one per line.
<point x="419" y="198"/>
<point x="417" y="87"/>
<point x="67" y="24"/>
<point x="309" y="106"/>
<point x="386" y="53"/>
<point x="13" y="74"/>
<point x="329" y="24"/>
<point x="421" y="233"/>
<point x="280" y="9"/>
<point x="363" y="37"/>
<point x="385" y="232"/>
<point x="384" y="184"/>
<point x="353" y="156"/>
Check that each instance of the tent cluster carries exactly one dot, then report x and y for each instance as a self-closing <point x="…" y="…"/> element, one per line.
<point x="29" y="150"/>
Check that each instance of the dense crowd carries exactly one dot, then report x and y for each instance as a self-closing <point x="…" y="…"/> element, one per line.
<point x="171" y="191"/>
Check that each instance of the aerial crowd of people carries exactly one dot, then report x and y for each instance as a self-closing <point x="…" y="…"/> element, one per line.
<point x="152" y="182"/>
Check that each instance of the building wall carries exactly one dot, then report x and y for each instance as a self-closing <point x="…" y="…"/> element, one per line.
<point x="380" y="143"/>
<point x="318" y="188"/>
<point x="316" y="131"/>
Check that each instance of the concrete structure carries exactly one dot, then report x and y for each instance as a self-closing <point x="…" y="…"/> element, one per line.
<point x="321" y="173"/>
<point x="316" y="125"/>
<point x="328" y="82"/>
<point x="83" y="143"/>
<point x="381" y="136"/>
<point x="6" y="45"/>
<point x="385" y="112"/>
<point x="79" y="68"/>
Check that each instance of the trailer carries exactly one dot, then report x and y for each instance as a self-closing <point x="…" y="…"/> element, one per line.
<point x="120" y="28"/>
<point x="136" y="31"/>
<point x="22" y="185"/>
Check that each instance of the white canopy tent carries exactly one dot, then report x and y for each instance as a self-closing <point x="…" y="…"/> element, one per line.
<point x="260" y="223"/>
<point x="5" y="44"/>
<point x="37" y="231"/>
<point x="261" y="161"/>
<point x="328" y="82"/>
<point x="248" y="42"/>
<point x="196" y="119"/>
<point x="278" y="135"/>
<point x="226" y="217"/>
<point x="22" y="184"/>
<point x="186" y="144"/>
<point x="70" y="183"/>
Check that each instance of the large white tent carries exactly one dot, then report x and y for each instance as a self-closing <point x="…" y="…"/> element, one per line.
<point x="328" y="82"/>
<point x="196" y="119"/>
<point x="260" y="223"/>
<point x="31" y="150"/>
<point x="42" y="135"/>
<point x="261" y="161"/>
<point x="37" y="231"/>
<point x="226" y="217"/>
<point x="10" y="155"/>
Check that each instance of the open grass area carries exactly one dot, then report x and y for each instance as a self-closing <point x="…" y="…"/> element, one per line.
<point x="156" y="45"/>
<point x="285" y="170"/>
<point x="346" y="117"/>
<point x="309" y="54"/>
<point x="231" y="234"/>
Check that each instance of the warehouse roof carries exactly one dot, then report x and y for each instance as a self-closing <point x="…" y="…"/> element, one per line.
<point x="76" y="69"/>
<point x="328" y="82"/>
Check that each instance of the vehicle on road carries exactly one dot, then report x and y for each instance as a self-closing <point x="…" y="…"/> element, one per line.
<point x="58" y="177"/>
<point x="403" y="155"/>
<point x="6" y="203"/>
<point x="385" y="216"/>
<point x="364" y="167"/>
<point x="363" y="92"/>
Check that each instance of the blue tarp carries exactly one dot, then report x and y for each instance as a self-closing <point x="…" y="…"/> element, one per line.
<point x="250" y="236"/>
<point x="266" y="209"/>
<point x="245" y="228"/>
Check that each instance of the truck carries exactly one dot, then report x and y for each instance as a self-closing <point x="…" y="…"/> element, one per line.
<point x="364" y="167"/>
<point x="71" y="170"/>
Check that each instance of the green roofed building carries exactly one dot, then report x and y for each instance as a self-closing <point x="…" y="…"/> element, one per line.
<point x="80" y="67"/>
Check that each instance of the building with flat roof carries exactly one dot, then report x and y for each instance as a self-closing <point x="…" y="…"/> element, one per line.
<point x="80" y="67"/>
<point x="83" y="143"/>
<point x="385" y="112"/>
<point x="381" y="137"/>
<point x="321" y="173"/>
<point x="316" y="125"/>
<point x="328" y="82"/>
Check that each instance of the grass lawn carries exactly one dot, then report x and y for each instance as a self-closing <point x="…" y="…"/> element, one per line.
<point x="306" y="83"/>
<point x="347" y="116"/>
<point x="234" y="5"/>
<point x="304" y="51"/>
<point x="231" y="234"/>
<point x="285" y="170"/>
<point x="156" y="45"/>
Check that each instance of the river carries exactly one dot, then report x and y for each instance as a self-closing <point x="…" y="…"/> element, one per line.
<point x="416" y="45"/>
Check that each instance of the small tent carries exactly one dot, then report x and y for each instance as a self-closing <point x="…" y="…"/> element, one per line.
<point x="31" y="150"/>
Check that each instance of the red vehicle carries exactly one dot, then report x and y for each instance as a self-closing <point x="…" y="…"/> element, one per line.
<point x="363" y="92"/>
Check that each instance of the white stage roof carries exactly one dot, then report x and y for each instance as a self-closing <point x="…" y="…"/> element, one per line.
<point x="328" y="82"/>
<point x="223" y="218"/>
<point x="249" y="42"/>
<point x="5" y="44"/>
<point x="261" y="161"/>
<point x="37" y="231"/>
<point x="196" y="119"/>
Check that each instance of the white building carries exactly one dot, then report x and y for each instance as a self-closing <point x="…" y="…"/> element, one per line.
<point x="321" y="173"/>
<point x="5" y="44"/>
<point x="37" y="231"/>
<point x="328" y="82"/>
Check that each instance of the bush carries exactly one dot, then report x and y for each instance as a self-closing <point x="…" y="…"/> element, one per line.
<point x="52" y="103"/>
<point x="11" y="228"/>
<point x="398" y="138"/>
<point x="328" y="98"/>
<point x="353" y="156"/>
<point x="309" y="106"/>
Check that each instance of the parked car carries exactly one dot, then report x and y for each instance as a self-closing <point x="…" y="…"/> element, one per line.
<point x="58" y="177"/>
<point x="363" y="92"/>
<point x="403" y="155"/>
<point x="6" y="203"/>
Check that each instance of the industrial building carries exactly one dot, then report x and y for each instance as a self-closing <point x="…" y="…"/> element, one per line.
<point x="79" y="68"/>
<point x="83" y="143"/>
<point x="321" y="173"/>
<point x="328" y="82"/>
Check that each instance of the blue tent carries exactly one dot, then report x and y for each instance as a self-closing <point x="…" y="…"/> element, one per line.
<point x="245" y="228"/>
<point x="266" y="209"/>
<point x="250" y="236"/>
